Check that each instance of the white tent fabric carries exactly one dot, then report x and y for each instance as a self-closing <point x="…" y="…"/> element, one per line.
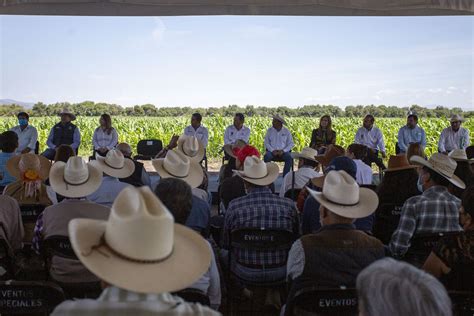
<point x="238" y="7"/>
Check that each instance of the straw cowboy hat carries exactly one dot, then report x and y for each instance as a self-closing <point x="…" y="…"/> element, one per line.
<point x="76" y="178"/>
<point x="332" y="152"/>
<point x="460" y="155"/>
<point x="258" y="172"/>
<point x="399" y="162"/>
<point x="140" y="248"/>
<point x="306" y="153"/>
<point x="177" y="165"/>
<point x="115" y="164"/>
<point x="23" y="165"/>
<point x="229" y="148"/>
<point x="456" y="118"/>
<point x="279" y="118"/>
<point x="67" y="112"/>
<point x="342" y="195"/>
<point x="442" y="165"/>
<point x="191" y="147"/>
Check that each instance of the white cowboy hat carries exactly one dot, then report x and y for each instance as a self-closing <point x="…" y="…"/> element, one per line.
<point x="441" y="164"/>
<point x="177" y="165"/>
<point x="18" y="165"/>
<point x="342" y="196"/>
<point x="139" y="248"/>
<point x="76" y="178"/>
<point x="67" y="112"/>
<point x="115" y="164"/>
<point x="306" y="153"/>
<point x="279" y="118"/>
<point x="459" y="155"/>
<point x="191" y="147"/>
<point x="456" y="118"/>
<point x="258" y="172"/>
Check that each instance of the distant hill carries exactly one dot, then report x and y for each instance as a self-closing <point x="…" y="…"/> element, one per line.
<point x="26" y="105"/>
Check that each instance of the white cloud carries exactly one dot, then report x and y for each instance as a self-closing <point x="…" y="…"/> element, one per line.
<point x="159" y="30"/>
<point x="260" y="31"/>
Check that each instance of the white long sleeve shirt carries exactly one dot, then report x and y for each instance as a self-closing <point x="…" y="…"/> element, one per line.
<point x="26" y="137"/>
<point x="302" y="176"/>
<point x="278" y="140"/>
<point x="364" y="172"/>
<point x="450" y="140"/>
<point x="232" y="134"/>
<point x="372" y="138"/>
<point x="103" y="140"/>
<point x="200" y="133"/>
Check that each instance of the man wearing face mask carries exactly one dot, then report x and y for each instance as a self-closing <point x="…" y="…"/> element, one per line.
<point x="27" y="134"/>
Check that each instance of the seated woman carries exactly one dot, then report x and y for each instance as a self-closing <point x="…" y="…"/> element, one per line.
<point x="452" y="258"/>
<point x="105" y="136"/>
<point x="323" y="135"/>
<point x="8" y="146"/>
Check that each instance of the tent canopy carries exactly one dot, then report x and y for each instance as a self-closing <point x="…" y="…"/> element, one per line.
<point x="238" y="7"/>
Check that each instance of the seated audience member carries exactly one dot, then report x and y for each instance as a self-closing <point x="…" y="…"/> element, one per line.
<point x="463" y="170"/>
<point x="8" y="145"/>
<point x="177" y="165"/>
<point x="358" y="152"/>
<point x="453" y="256"/>
<point x="435" y="210"/>
<point x="227" y="169"/>
<point x="335" y="254"/>
<point x="114" y="166"/>
<point x="141" y="256"/>
<point x="311" y="215"/>
<point x="390" y="287"/>
<point x="139" y="176"/>
<point x="307" y="165"/>
<point x="11" y="223"/>
<point x="63" y="153"/>
<point x="398" y="185"/>
<point x="415" y="149"/>
<point x="258" y="209"/>
<point x="278" y="143"/>
<point x="176" y="195"/>
<point x="74" y="180"/>
<point x="470" y="152"/>
<point x="63" y="133"/>
<point x="105" y="136"/>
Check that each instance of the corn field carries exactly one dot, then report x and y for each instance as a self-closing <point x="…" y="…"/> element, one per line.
<point x="132" y="129"/>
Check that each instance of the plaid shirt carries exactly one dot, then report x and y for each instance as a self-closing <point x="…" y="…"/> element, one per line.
<point x="260" y="208"/>
<point x="436" y="210"/>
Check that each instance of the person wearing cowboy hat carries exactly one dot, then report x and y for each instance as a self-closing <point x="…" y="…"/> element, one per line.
<point x="197" y="130"/>
<point x="463" y="170"/>
<point x="278" y="143"/>
<point x="141" y="256"/>
<point x="338" y="251"/>
<point x="139" y="176"/>
<point x="114" y="166"/>
<point x="454" y="137"/>
<point x="63" y="132"/>
<point x="411" y="133"/>
<point x="434" y="211"/>
<point x="259" y="208"/>
<point x="73" y="180"/>
<point x="307" y="165"/>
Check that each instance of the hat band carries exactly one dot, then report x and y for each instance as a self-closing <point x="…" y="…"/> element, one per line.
<point x="339" y="203"/>
<point x="75" y="184"/>
<point x="176" y="176"/>
<point x="103" y="243"/>
<point x="108" y="165"/>
<point x="256" y="178"/>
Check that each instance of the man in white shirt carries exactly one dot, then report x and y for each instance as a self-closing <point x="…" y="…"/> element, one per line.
<point x="278" y="144"/>
<point x="197" y="130"/>
<point x="358" y="153"/>
<point x="237" y="131"/>
<point x="371" y="137"/>
<point x="454" y="137"/>
<point x="307" y="165"/>
<point x="27" y="134"/>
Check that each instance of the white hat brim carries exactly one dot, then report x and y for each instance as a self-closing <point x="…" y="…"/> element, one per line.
<point x="56" y="179"/>
<point x="199" y="155"/>
<point x="299" y="155"/>
<point x="194" y="178"/>
<point x="417" y="160"/>
<point x="368" y="203"/>
<point x="125" y="172"/>
<point x="272" y="174"/>
<point x="171" y="274"/>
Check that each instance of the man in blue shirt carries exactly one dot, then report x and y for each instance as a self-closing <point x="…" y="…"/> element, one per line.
<point x="27" y="134"/>
<point x="411" y="133"/>
<point x="8" y="145"/>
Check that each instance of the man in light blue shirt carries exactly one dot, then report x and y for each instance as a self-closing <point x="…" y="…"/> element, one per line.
<point x="411" y="133"/>
<point x="27" y="134"/>
<point x="8" y="145"/>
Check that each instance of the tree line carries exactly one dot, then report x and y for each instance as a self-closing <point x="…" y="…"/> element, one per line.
<point x="90" y="108"/>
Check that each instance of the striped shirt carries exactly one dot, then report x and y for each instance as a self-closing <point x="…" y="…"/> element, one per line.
<point x="435" y="211"/>
<point x="260" y="209"/>
<point x="115" y="301"/>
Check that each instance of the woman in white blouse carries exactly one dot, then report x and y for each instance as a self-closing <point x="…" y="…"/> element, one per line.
<point x="105" y="136"/>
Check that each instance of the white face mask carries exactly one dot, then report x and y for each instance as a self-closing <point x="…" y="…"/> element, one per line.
<point x="419" y="183"/>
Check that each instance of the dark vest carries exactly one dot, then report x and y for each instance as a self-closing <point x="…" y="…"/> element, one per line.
<point x="136" y="178"/>
<point x="63" y="134"/>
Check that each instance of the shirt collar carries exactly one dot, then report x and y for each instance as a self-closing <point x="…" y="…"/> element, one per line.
<point x="259" y="190"/>
<point x="113" y="293"/>
<point x="435" y="189"/>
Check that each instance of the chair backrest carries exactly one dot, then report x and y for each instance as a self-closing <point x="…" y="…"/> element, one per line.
<point x="261" y="239"/>
<point x="387" y="218"/>
<point x="149" y="148"/>
<point x="313" y="300"/>
<point x="422" y="245"/>
<point x="194" y="296"/>
<point x="37" y="146"/>
<point x="57" y="245"/>
<point x="19" y="297"/>
<point x="29" y="213"/>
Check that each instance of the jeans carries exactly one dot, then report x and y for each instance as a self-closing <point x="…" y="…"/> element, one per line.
<point x="286" y="157"/>
<point x="49" y="153"/>
<point x="373" y="156"/>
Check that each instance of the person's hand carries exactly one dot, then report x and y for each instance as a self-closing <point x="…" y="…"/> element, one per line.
<point x="173" y="142"/>
<point x="162" y="153"/>
<point x="384" y="155"/>
<point x="102" y="150"/>
<point x="275" y="153"/>
<point x="26" y="150"/>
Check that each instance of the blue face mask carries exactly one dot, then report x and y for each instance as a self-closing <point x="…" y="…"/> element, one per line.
<point x="23" y="122"/>
<point x="419" y="184"/>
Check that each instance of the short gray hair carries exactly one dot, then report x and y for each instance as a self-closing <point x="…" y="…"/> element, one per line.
<point x="390" y="287"/>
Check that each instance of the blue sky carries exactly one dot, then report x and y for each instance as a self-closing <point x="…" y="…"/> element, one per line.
<point x="215" y="61"/>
